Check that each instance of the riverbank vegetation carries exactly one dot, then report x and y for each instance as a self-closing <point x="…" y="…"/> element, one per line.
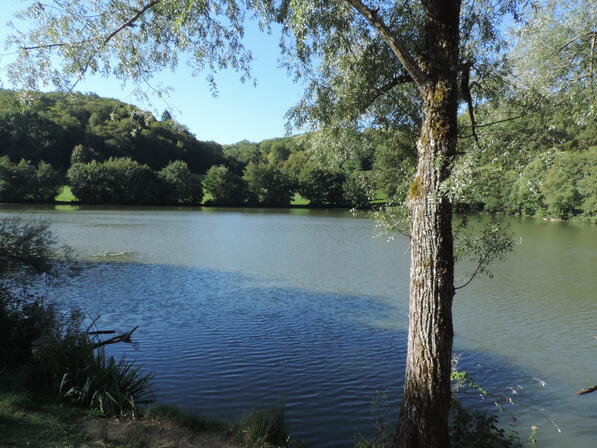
<point x="546" y="165"/>
<point x="59" y="388"/>
<point x="538" y="161"/>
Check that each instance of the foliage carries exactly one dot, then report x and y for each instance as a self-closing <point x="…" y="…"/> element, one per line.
<point x="29" y="247"/>
<point x="267" y="184"/>
<point x="356" y="189"/>
<point x="322" y="187"/>
<point x="115" y="181"/>
<point x="560" y="185"/>
<point x="478" y="430"/>
<point x="483" y="247"/>
<point x="467" y="429"/>
<point x="105" y="385"/>
<point x="225" y="187"/>
<point x="178" y="185"/>
<point x="83" y="154"/>
<point x="24" y="320"/>
<point x="23" y="182"/>
<point x="81" y="128"/>
<point x="44" y="349"/>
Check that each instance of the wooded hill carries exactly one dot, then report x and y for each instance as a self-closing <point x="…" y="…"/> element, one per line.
<point x="52" y="125"/>
<point x="531" y="162"/>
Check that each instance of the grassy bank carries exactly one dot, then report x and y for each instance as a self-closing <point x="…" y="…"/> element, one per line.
<point x="26" y="422"/>
<point x="66" y="195"/>
<point x="34" y="422"/>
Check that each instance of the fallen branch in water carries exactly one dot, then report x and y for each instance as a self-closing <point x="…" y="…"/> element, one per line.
<point x="100" y="332"/>
<point x="124" y="337"/>
<point x="587" y="390"/>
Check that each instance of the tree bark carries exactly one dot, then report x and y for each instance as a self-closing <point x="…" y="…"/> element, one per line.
<point x="426" y="399"/>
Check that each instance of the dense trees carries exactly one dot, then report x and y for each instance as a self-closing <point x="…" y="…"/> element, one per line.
<point x="25" y="182"/>
<point x="225" y="187"/>
<point x="86" y="127"/>
<point x="178" y="185"/>
<point x="267" y="185"/>
<point x="125" y="181"/>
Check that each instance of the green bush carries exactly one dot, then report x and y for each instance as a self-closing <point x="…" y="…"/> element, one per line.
<point x="560" y="185"/>
<point x="357" y="189"/>
<point x="263" y="429"/>
<point x="23" y="321"/>
<point x="322" y="187"/>
<point x="587" y="186"/>
<point x="478" y="430"/>
<point x="104" y="385"/>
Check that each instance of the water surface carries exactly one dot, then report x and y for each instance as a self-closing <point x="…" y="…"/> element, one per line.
<point x="239" y="309"/>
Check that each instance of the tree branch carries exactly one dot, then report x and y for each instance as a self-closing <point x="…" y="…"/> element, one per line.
<point x="378" y="92"/>
<point x="128" y="23"/>
<point x="407" y="61"/>
<point x="131" y="21"/>
<point x="592" y="60"/>
<point x="125" y="337"/>
<point x="56" y="44"/>
<point x="556" y="51"/>
<point x="474" y="274"/>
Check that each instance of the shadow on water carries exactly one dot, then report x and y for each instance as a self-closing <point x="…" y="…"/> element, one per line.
<point x="225" y="343"/>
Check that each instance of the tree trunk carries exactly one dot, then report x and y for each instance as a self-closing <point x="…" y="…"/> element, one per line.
<point x="426" y="400"/>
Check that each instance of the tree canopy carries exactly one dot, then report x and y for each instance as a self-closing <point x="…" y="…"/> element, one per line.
<point x="52" y="126"/>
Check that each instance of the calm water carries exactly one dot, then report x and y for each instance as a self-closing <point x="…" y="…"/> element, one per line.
<point x="240" y="309"/>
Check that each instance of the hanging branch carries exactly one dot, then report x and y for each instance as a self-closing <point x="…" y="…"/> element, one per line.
<point x="466" y="93"/>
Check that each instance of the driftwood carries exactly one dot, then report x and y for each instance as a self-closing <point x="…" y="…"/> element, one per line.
<point x="587" y="390"/>
<point x="124" y="337"/>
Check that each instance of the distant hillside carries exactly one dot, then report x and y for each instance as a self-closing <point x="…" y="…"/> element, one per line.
<point x="51" y="126"/>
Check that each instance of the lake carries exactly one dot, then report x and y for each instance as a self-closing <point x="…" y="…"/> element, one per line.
<point x="244" y="308"/>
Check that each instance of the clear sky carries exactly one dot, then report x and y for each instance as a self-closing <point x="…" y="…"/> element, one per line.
<point x="241" y="111"/>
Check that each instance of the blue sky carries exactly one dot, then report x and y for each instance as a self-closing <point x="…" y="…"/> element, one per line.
<point x="241" y="111"/>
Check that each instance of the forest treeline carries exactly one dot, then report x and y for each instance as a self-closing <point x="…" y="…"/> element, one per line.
<point x="540" y="163"/>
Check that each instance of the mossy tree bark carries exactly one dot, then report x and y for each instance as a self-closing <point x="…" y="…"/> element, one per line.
<point x="426" y="400"/>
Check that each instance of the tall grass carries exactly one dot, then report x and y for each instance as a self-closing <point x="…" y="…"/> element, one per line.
<point x="107" y="386"/>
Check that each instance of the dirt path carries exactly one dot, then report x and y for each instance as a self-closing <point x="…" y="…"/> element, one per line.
<point x="116" y="433"/>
